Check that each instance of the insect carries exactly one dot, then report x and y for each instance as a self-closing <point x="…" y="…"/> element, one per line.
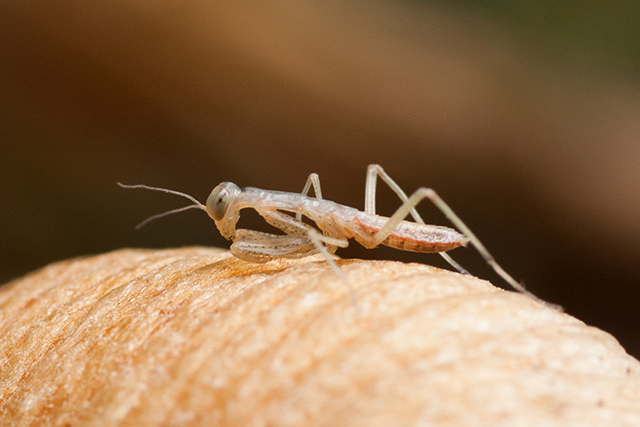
<point x="335" y="224"/>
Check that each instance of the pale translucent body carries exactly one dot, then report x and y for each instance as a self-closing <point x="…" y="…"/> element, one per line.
<point x="335" y="224"/>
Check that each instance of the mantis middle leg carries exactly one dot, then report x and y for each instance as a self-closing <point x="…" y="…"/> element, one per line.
<point x="312" y="180"/>
<point x="321" y="243"/>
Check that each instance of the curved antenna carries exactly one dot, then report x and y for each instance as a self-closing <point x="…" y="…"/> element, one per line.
<point x="196" y="203"/>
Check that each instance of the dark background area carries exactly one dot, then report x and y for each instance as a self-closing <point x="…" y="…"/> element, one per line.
<point x="523" y="116"/>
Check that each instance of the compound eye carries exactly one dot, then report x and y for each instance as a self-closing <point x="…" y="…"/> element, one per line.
<point x="218" y="202"/>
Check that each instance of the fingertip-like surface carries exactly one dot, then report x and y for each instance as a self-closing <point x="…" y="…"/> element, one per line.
<point x="194" y="336"/>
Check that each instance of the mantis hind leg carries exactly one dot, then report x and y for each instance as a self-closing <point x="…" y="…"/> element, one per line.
<point x="373" y="171"/>
<point x="408" y="207"/>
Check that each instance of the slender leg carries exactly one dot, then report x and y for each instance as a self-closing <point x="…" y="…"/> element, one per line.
<point x="256" y="246"/>
<point x="291" y="226"/>
<point x="373" y="171"/>
<point x="408" y="207"/>
<point x="323" y="244"/>
<point x="317" y="240"/>
<point x="312" y="180"/>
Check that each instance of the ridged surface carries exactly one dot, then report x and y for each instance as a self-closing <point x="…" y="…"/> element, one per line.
<point x="196" y="337"/>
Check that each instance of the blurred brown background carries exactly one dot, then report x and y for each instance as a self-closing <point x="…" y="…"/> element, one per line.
<point x="524" y="116"/>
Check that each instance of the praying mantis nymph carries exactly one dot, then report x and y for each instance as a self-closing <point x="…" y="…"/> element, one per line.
<point x="335" y="224"/>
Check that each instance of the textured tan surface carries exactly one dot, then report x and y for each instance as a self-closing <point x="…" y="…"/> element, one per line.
<point x="193" y="336"/>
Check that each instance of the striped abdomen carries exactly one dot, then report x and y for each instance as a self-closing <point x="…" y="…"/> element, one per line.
<point x="409" y="236"/>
